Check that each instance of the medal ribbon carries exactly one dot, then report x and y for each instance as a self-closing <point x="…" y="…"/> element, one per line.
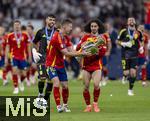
<point x="46" y="32"/>
<point x="18" y="39"/>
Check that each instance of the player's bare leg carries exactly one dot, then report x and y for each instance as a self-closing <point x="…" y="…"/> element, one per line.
<point x="65" y="95"/>
<point x="22" y="78"/>
<point x="15" y="73"/>
<point x="56" y="93"/>
<point x="96" y="76"/>
<point x="86" y="93"/>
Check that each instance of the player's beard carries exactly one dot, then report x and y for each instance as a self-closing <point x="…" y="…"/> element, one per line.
<point x="50" y="25"/>
<point x="132" y="24"/>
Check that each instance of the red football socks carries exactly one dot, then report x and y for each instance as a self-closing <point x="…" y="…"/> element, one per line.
<point x="32" y="71"/>
<point x="144" y="74"/>
<point x="15" y="80"/>
<point x="56" y="94"/>
<point x="96" y="94"/>
<point x="65" y="95"/>
<point x="86" y="95"/>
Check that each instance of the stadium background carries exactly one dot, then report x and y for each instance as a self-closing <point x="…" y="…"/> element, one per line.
<point x="114" y="12"/>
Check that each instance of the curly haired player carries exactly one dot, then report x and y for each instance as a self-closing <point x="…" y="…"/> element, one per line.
<point x="92" y="65"/>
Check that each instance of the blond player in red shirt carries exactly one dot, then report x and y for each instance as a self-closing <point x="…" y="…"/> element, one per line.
<point x="92" y="65"/>
<point x="59" y="46"/>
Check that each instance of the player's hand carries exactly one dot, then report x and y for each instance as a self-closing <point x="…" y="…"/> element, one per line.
<point x="107" y="53"/>
<point x="126" y="44"/>
<point x="36" y="55"/>
<point x="141" y="49"/>
<point x="147" y="58"/>
<point x="84" y="53"/>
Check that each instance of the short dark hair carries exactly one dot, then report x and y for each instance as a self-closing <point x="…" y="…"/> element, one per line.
<point x="23" y="28"/>
<point x="17" y="21"/>
<point x="87" y="27"/>
<point x="50" y="15"/>
<point x="66" y="21"/>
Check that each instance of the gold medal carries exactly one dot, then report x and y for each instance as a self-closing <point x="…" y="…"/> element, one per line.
<point x="18" y="43"/>
<point x="18" y="39"/>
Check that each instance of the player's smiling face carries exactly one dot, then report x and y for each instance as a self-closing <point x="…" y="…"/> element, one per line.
<point x="68" y="28"/>
<point x="131" y="22"/>
<point x="50" y="22"/>
<point x="94" y="28"/>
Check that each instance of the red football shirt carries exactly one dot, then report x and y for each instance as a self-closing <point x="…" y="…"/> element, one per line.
<point x="54" y="56"/>
<point x="93" y="62"/>
<point x="104" y="47"/>
<point x="145" y="42"/>
<point x="18" y="45"/>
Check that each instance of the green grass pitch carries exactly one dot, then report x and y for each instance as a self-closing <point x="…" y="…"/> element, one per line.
<point x="118" y="107"/>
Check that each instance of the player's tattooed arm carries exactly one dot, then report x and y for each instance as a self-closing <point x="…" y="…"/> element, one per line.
<point x="74" y="53"/>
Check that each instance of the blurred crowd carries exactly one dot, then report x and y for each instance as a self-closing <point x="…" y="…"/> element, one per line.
<point x="113" y="12"/>
<point x="79" y="10"/>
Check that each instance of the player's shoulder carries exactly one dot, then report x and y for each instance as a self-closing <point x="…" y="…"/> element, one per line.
<point x="85" y="36"/>
<point x="40" y="31"/>
<point x="106" y="34"/>
<point x="5" y="36"/>
<point x="56" y="36"/>
<point x="10" y="34"/>
<point x="123" y="30"/>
